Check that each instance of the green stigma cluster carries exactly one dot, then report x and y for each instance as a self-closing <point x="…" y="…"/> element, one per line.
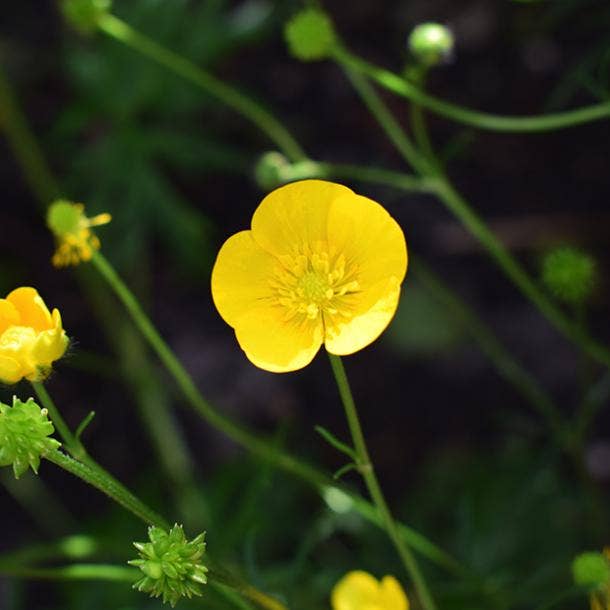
<point x="171" y="564"/>
<point x="431" y="43"/>
<point x="591" y="570"/>
<point x="569" y="274"/>
<point x="310" y="35"/>
<point x="83" y="15"/>
<point x="24" y="435"/>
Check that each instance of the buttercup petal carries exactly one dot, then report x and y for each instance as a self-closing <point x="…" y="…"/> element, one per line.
<point x="357" y="590"/>
<point x="373" y="309"/>
<point x="32" y="309"/>
<point x="392" y="595"/>
<point x="364" y="232"/>
<point x="8" y="315"/>
<point x="10" y="370"/>
<point x="240" y="278"/>
<point x="50" y="345"/>
<point x="295" y="215"/>
<point x="275" y="344"/>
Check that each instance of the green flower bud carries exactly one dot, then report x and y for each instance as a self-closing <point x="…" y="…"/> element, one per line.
<point x="569" y="274"/>
<point x="310" y="35"/>
<point x="83" y="15"/>
<point x="171" y="564"/>
<point x="271" y="170"/>
<point x="431" y="43"/>
<point x="591" y="570"/>
<point x="24" y="432"/>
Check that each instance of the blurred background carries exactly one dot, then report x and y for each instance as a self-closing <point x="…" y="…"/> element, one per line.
<point x="461" y="453"/>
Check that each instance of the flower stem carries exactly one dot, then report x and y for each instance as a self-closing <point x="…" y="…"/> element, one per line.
<point x="231" y="97"/>
<point x="71" y="442"/>
<point x="79" y="571"/>
<point x="482" y="120"/>
<point x="365" y="466"/>
<point x="99" y="479"/>
<point x="473" y="222"/>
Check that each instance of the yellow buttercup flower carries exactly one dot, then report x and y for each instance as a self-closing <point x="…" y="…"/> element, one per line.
<point x="31" y="338"/>
<point x="359" y="590"/>
<point x="72" y="229"/>
<point x="320" y="265"/>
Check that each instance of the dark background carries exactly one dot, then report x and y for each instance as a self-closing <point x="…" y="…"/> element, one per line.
<point x="463" y="457"/>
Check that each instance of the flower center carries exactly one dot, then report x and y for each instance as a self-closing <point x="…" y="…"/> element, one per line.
<point x="315" y="283"/>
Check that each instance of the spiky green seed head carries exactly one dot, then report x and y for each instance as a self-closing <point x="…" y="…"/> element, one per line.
<point x="591" y="570"/>
<point x="171" y="564"/>
<point x="83" y="15"/>
<point x="310" y="35"/>
<point x="24" y="435"/>
<point x="569" y="274"/>
<point x="431" y="43"/>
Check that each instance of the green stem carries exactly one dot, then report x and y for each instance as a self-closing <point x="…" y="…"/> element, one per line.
<point x="81" y="571"/>
<point x="473" y="222"/>
<point x="107" y="485"/>
<point x="515" y="272"/>
<point x="482" y="120"/>
<point x="505" y="363"/>
<point x="71" y="442"/>
<point x="231" y="97"/>
<point x="241" y="436"/>
<point x="365" y="466"/>
<point x="386" y="119"/>
<point x="246" y="590"/>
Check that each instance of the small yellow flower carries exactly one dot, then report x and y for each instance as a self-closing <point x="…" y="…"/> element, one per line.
<point x="72" y="230"/>
<point x="359" y="590"/>
<point x="321" y="265"/>
<point x="31" y="338"/>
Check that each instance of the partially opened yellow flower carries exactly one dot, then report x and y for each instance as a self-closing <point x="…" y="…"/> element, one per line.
<point x="320" y="265"/>
<point x="72" y="229"/>
<point x="31" y="338"/>
<point x="359" y="590"/>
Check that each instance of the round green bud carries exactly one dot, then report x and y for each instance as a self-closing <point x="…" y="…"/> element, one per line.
<point x="64" y="217"/>
<point x="569" y="274"/>
<point x="591" y="570"/>
<point x="83" y="15"/>
<point x="431" y="43"/>
<point x="24" y="435"/>
<point x="271" y="170"/>
<point x="171" y="564"/>
<point x="310" y="35"/>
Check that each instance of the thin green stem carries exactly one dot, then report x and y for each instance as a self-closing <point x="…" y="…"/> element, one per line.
<point x="231" y="97"/>
<point x="473" y="222"/>
<point x="515" y="272"/>
<point x="79" y="571"/>
<point x="386" y="119"/>
<point x="365" y="467"/>
<point x="482" y="120"/>
<point x="71" y="442"/>
<point x="504" y="362"/>
<point x="257" y="446"/>
<point x="363" y="173"/>
<point x="107" y="485"/>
